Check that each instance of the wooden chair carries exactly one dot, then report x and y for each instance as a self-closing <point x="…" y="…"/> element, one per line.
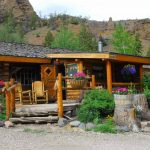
<point x="38" y="92"/>
<point x="21" y="95"/>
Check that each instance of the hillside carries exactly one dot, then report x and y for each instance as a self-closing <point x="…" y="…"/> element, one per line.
<point x="22" y="12"/>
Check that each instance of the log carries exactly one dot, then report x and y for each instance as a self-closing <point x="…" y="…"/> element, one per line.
<point x="49" y="119"/>
<point x="34" y="114"/>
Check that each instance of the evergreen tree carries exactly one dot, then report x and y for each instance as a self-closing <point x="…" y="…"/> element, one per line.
<point x="126" y="43"/>
<point x="48" y="39"/>
<point x="65" y="39"/>
<point x="87" y="40"/>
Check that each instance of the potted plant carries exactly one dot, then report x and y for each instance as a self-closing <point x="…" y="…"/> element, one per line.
<point x="128" y="72"/>
<point x="78" y="80"/>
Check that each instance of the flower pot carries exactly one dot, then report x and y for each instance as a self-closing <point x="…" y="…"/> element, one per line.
<point x="77" y="84"/>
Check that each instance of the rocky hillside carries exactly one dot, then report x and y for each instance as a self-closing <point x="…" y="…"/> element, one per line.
<point x="22" y="12"/>
<point x="20" y="9"/>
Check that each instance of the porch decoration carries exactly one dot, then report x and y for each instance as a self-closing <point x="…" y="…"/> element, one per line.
<point x="128" y="72"/>
<point x="78" y="80"/>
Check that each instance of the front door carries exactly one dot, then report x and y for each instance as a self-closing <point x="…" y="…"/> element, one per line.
<point x="48" y="76"/>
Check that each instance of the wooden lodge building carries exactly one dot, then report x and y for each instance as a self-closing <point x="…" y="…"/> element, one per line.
<point x="28" y="63"/>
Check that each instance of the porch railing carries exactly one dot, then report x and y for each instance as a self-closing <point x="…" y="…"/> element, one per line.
<point x="60" y="88"/>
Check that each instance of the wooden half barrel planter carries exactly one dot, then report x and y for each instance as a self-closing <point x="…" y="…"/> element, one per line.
<point x="77" y="84"/>
<point x="124" y="111"/>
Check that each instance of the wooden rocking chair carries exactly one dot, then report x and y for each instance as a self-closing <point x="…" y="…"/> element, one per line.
<point x="21" y="95"/>
<point x="38" y="92"/>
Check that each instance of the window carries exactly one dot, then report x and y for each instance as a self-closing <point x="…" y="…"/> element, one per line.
<point x="25" y="74"/>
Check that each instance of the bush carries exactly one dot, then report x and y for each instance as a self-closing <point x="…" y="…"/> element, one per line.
<point x="96" y="104"/>
<point x="147" y="93"/>
<point x="3" y="114"/>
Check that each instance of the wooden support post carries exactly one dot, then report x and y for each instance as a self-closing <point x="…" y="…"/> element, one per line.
<point x="12" y="93"/>
<point x="59" y="96"/>
<point x="80" y="68"/>
<point x="141" y="76"/>
<point x="109" y="76"/>
<point x="93" y="81"/>
<point x="8" y="97"/>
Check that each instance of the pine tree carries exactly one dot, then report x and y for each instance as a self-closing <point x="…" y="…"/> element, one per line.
<point x="125" y="43"/>
<point x="48" y="39"/>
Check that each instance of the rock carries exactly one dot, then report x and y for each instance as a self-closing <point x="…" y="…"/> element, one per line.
<point x="8" y="124"/>
<point x="135" y="128"/>
<point x="123" y="128"/>
<point x="75" y="123"/>
<point x="146" y="116"/>
<point x="62" y="122"/>
<point x="90" y="125"/>
<point x="82" y="126"/>
<point x="2" y="124"/>
<point x="146" y="129"/>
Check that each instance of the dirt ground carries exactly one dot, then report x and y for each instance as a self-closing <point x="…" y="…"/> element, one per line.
<point x="51" y="137"/>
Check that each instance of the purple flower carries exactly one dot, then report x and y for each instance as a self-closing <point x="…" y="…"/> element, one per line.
<point x="128" y="70"/>
<point x="121" y="90"/>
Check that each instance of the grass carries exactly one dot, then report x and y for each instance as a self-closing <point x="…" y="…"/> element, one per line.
<point x="107" y="127"/>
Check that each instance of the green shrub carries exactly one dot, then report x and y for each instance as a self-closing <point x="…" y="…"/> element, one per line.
<point x="146" y="80"/>
<point x="96" y="104"/>
<point x="48" y="39"/>
<point x="106" y="127"/>
<point x="147" y="93"/>
<point x="3" y="114"/>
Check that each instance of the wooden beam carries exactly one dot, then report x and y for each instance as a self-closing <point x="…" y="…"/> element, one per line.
<point x="124" y="84"/>
<point x="80" y="55"/>
<point x="130" y="59"/>
<point x="24" y="59"/>
<point x="109" y="76"/>
<point x="59" y="96"/>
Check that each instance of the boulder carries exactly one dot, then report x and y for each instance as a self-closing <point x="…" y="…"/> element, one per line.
<point x="75" y="123"/>
<point x="8" y="124"/>
<point x="90" y="125"/>
<point x="62" y="122"/>
<point x="2" y="124"/>
<point x="82" y="126"/>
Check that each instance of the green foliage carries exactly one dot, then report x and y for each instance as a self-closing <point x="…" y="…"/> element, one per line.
<point x="126" y="43"/>
<point x="48" y="39"/>
<point x="146" y="80"/>
<point x="96" y="104"/>
<point x="3" y="114"/>
<point x="148" y="52"/>
<point x="147" y="93"/>
<point x="146" y="84"/>
<point x="107" y="127"/>
<point x="65" y="39"/>
<point x="33" y="21"/>
<point x="10" y="31"/>
<point x="87" y="40"/>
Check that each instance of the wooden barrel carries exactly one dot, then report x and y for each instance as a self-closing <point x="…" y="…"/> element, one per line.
<point x="123" y="105"/>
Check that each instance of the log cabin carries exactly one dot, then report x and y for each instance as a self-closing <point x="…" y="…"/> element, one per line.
<point x="27" y="63"/>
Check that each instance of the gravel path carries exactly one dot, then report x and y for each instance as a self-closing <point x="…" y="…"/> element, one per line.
<point x="48" y="137"/>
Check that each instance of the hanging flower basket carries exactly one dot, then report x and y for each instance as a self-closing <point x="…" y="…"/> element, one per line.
<point x="77" y="84"/>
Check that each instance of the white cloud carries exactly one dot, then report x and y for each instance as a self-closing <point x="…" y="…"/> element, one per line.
<point x="96" y="9"/>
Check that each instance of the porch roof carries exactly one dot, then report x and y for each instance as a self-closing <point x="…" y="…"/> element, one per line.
<point x="104" y="56"/>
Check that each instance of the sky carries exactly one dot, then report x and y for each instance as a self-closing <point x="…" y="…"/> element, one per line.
<point x="99" y="10"/>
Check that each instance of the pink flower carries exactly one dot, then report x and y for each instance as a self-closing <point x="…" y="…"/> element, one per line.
<point x="79" y="76"/>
